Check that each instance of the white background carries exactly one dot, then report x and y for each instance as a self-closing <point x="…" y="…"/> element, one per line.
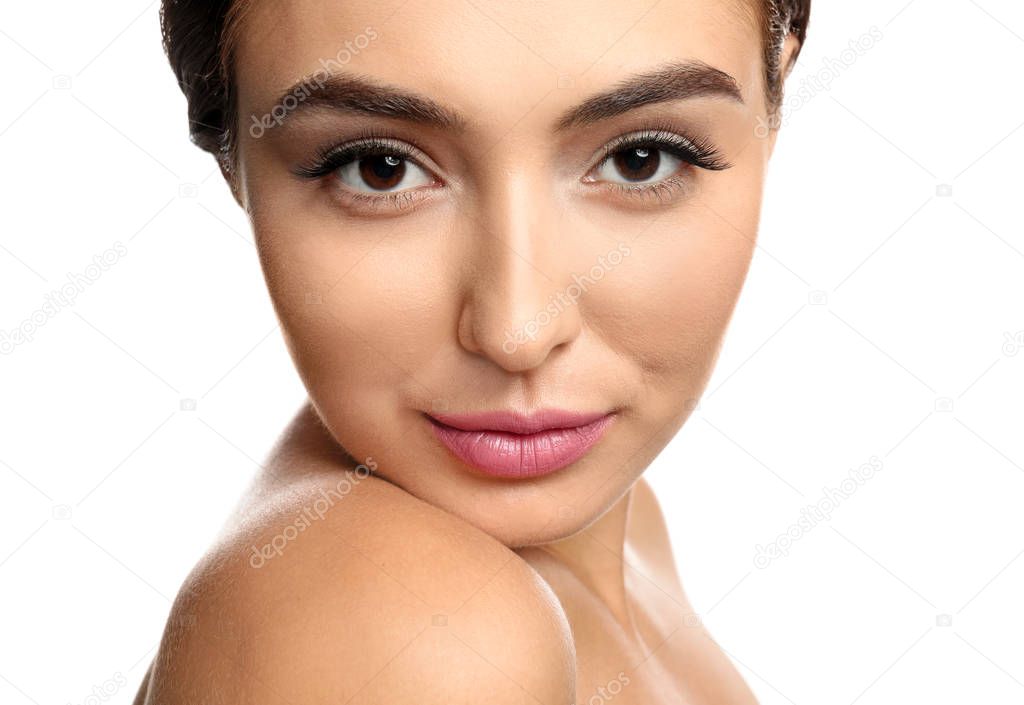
<point x="910" y="592"/>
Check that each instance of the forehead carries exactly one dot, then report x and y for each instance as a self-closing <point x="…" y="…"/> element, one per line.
<point x="491" y="56"/>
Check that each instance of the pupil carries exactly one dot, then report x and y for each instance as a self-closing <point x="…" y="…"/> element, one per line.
<point x="383" y="171"/>
<point x="637" y="163"/>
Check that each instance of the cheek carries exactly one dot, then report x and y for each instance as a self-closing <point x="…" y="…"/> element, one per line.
<point x="363" y="307"/>
<point x="677" y="290"/>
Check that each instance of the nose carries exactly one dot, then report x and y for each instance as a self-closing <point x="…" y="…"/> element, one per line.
<point x="517" y="309"/>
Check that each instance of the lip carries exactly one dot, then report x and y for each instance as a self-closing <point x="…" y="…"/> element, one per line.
<point x="513" y="445"/>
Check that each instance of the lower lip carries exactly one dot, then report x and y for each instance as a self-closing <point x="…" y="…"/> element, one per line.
<point x="519" y="456"/>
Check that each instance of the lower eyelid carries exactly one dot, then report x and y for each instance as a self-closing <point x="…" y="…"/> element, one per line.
<point x="676" y="187"/>
<point x="363" y="202"/>
<point x="674" y="181"/>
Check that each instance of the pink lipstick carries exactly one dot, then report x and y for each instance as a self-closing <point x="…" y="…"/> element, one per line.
<point x="511" y="445"/>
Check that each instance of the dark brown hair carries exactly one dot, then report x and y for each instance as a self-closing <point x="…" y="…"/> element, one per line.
<point x="199" y="37"/>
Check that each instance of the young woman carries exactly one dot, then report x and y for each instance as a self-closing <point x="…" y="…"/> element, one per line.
<point x="504" y="241"/>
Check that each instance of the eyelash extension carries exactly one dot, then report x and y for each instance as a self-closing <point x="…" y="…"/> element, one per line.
<point x="698" y="151"/>
<point x="330" y="158"/>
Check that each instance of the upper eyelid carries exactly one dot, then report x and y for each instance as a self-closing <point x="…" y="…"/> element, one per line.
<point x="637" y="137"/>
<point x="663" y="134"/>
<point x="325" y="154"/>
<point x="644" y="133"/>
<point x="404" y="149"/>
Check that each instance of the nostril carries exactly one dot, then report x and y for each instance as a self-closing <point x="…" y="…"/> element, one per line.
<point x="516" y="343"/>
<point x="515" y="310"/>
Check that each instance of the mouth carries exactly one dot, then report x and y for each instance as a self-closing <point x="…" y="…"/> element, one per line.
<point x="511" y="445"/>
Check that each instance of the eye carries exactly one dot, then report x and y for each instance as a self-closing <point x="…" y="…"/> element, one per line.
<point x="638" y="165"/>
<point x="382" y="172"/>
<point x="653" y="157"/>
<point x="372" y="175"/>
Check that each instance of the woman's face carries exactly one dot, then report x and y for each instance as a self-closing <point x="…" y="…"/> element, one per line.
<point x="554" y="208"/>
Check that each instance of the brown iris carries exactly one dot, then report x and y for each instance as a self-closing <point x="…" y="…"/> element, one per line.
<point x="637" y="163"/>
<point x="382" y="171"/>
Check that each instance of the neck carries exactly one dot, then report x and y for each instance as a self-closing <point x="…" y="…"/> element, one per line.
<point x="595" y="556"/>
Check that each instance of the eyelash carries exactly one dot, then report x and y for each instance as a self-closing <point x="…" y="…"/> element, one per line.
<point x="696" y="151"/>
<point x="328" y="159"/>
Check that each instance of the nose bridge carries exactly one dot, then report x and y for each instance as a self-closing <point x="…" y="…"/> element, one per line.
<point x="513" y="313"/>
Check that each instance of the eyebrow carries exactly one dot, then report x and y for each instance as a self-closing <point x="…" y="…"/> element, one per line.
<point x="356" y="94"/>
<point x="672" y="81"/>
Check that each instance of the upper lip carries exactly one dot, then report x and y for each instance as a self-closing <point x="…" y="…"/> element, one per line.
<point x="519" y="422"/>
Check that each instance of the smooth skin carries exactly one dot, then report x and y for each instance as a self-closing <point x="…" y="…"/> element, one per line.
<point x="426" y="581"/>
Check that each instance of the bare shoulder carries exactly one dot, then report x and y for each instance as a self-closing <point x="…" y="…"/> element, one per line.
<point x="340" y="587"/>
